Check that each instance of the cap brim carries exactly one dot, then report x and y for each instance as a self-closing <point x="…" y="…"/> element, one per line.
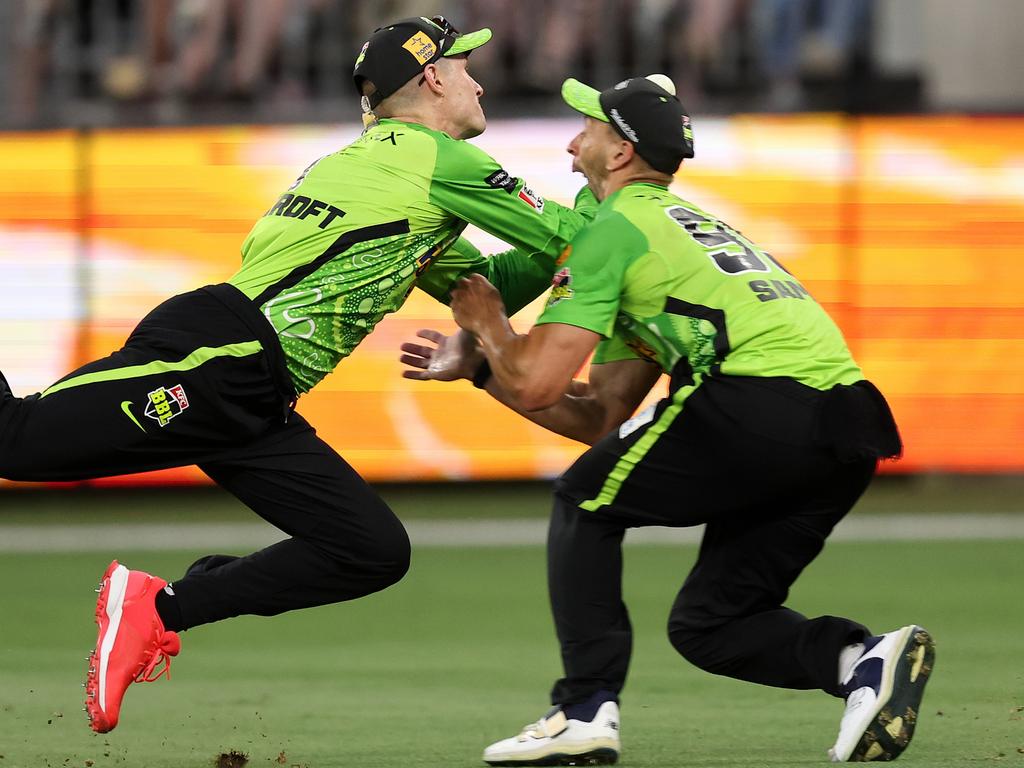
<point x="467" y="42"/>
<point x="583" y="99"/>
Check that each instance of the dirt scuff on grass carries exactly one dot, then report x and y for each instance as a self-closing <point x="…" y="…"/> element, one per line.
<point x="232" y="759"/>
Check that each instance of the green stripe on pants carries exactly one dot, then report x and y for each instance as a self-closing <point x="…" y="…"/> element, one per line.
<point x="632" y="457"/>
<point x="194" y="360"/>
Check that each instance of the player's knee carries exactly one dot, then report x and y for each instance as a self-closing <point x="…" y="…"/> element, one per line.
<point x="565" y="516"/>
<point x="688" y="643"/>
<point x="692" y="638"/>
<point x="394" y="558"/>
<point x="386" y="557"/>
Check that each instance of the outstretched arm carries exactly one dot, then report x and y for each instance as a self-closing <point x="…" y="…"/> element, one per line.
<point x="533" y="373"/>
<point x="586" y="411"/>
<point x="519" y="274"/>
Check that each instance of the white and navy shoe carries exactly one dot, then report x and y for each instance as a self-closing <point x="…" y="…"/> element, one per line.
<point x="558" y="740"/>
<point x="883" y="695"/>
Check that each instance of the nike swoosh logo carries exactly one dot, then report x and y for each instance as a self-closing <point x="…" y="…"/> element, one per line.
<point x="126" y="407"/>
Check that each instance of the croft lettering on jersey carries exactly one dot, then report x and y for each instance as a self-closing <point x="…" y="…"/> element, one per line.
<point x="300" y="206"/>
<point x="767" y="290"/>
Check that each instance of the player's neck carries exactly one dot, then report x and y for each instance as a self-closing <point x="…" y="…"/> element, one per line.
<point x="618" y="179"/>
<point x="434" y="119"/>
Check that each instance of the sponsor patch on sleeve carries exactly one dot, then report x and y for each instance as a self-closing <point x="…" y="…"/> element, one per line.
<point x="532" y="199"/>
<point x="500" y="179"/>
<point x="561" y="287"/>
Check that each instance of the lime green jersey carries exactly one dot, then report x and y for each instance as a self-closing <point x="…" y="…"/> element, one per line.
<point x="360" y="228"/>
<point x="662" y="280"/>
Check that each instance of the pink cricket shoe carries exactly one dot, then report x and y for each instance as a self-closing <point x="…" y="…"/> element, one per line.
<point x="131" y="643"/>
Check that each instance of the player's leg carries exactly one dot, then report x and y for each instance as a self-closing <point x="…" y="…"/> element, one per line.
<point x="729" y="619"/>
<point x="191" y="380"/>
<point x="343" y="542"/>
<point x="591" y="619"/>
<point x="729" y="616"/>
<point x="694" y="461"/>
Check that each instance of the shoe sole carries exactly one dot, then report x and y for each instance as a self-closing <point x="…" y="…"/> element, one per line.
<point x="109" y="606"/>
<point x="893" y="727"/>
<point x="600" y="756"/>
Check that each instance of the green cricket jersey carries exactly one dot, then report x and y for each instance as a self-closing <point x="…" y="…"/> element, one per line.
<point x="361" y="227"/>
<point x="662" y="280"/>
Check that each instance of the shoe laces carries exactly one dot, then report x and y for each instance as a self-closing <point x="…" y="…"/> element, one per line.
<point x="167" y="647"/>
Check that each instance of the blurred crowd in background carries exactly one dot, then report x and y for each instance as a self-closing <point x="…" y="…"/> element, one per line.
<point x="100" y="62"/>
<point x="139" y="62"/>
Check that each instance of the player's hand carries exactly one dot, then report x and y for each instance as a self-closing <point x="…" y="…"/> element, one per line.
<point x="476" y="304"/>
<point x="450" y="358"/>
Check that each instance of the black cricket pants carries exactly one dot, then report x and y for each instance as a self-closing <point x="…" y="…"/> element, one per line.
<point x="202" y="380"/>
<point x="756" y="460"/>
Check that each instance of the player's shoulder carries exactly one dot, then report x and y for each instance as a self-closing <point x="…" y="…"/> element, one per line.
<point x="456" y="157"/>
<point x="610" y="230"/>
<point x="401" y="136"/>
<point x="619" y="213"/>
<point x="643" y="202"/>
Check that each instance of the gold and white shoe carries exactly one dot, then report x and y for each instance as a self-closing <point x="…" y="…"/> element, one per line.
<point x="883" y="696"/>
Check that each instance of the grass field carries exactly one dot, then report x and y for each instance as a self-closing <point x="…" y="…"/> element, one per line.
<point x="462" y="653"/>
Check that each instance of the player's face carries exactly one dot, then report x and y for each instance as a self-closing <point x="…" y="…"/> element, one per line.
<point x="591" y="148"/>
<point x="463" y="99"/>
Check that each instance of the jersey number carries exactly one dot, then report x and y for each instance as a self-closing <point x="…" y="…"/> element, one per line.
<point x="727" y="248"/>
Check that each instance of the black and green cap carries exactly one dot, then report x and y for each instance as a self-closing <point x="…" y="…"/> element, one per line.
<point x="642" y="110"/>
<point x="398" y="52"/>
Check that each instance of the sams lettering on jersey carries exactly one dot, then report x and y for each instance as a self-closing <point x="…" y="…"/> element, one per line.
<point x="768" y="290"/>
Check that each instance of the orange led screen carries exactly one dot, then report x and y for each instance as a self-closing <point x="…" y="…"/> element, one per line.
<point x="908" y="230"/>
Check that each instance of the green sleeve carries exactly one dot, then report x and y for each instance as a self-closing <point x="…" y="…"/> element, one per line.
<point x="519" y="278"/>
<point x="586" y="204"/>
<point x="518" y="275"/>
<point x="460" y="259"/>
<point x="586" y="290"/>
<point x="470" y="184"/>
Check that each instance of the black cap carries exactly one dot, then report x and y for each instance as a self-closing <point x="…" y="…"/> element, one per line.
<point x="642" y="110"/>
<point x="397" y="53"/>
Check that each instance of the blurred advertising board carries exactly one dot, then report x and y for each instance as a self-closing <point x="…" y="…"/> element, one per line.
<point x="909" y="230"/>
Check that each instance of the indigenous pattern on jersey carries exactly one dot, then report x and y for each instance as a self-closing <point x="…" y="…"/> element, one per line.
<point x="664" y="281"/>
<point x="348" y="241"/>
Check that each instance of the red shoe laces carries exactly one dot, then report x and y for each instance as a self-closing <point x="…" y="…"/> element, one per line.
<point x="146" y="675"/>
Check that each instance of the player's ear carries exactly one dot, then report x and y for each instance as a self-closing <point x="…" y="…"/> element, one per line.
<point x="622" y="155"/>
<point x="432" y="78"/>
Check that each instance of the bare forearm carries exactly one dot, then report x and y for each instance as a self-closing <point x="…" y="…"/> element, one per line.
<point x="515" y="368"/>
<point x="575" y="415"/>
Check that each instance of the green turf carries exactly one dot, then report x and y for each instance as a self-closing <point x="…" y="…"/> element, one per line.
<point x="462" y="653"/>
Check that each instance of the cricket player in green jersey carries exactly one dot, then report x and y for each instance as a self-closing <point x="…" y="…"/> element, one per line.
<point x="768" y="436"/>
<point x="211" y="377"/>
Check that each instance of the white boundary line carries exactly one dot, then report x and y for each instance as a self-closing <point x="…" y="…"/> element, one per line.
<point x="238" y="537"/>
